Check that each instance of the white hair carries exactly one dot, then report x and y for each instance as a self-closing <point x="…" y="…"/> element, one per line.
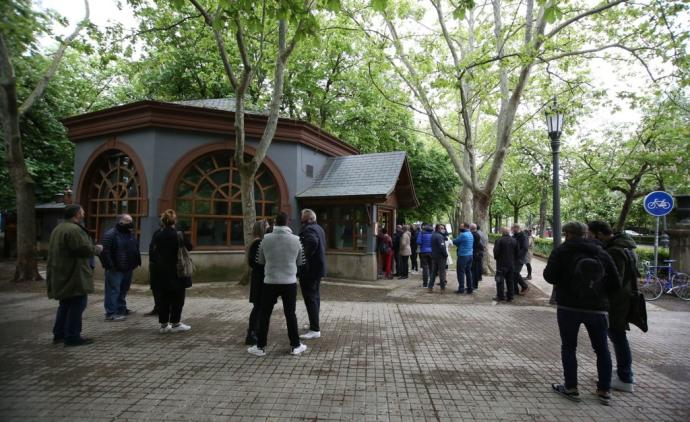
<point x="311" y="215"/>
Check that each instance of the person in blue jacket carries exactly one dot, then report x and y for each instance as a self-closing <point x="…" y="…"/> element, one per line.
<point x="424" y="243"/>
<point x="465" y="243"/>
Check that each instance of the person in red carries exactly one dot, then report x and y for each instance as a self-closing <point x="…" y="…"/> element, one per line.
<point x="385" y="249"/>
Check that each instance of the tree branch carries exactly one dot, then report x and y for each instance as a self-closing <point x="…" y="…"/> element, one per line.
<point x="583" y="15"/>
<point x="48" y="75"/>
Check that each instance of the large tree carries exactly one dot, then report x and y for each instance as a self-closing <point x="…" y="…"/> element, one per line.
<point x="461" y="76"/>
<point x="19" y="30"/>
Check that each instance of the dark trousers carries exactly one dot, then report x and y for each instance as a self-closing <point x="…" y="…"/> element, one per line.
<point x="269" y="295"/>
<point x="464" y="270"/>
<point x="404" y="266"/>
<point x="312" y="300"/>
<point x="477" y="262"/>
<point x="254" y="317"/>
<point x="438" y="268"/>
<point x="621" y="347"/>
<point x="529" y="269"/>
<point x="569" y="322"/>
<point x="518" y="281"/>
<point x="68" y="318"/>
<point x="413" y="258"/>
<point x="425" y="261"/>
<point x="156" y="295"/>
<point x="504" y="278"/>
<point x="396" y="261"/>
<point x="170" y="304"/>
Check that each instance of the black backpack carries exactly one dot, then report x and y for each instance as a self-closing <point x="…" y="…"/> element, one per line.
<point x="384" y="248"/>
<point x="588" y="276"/>
<point x="632" y="273"/>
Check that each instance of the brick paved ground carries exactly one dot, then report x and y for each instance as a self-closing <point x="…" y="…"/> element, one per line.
<point x="392" y="353"/>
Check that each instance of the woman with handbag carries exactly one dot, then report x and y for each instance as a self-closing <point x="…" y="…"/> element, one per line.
<point x="166" y="248"/>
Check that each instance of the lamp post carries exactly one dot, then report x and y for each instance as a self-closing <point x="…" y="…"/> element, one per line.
<point x="554" y="124"/>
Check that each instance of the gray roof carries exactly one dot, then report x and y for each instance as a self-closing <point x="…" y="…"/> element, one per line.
<point x="51" y="206"/>
<point x="225" y="104"/>
<point x="357" y="175"/>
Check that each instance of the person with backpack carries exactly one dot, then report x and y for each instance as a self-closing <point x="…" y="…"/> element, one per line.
<point x="583" y="275"/>
<point x="439" y="255"/>
<point x="621" y="248"/>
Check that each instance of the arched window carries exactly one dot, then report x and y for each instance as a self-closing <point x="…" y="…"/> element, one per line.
<point x="208" y="203"/>
<point x="112" y="188"/>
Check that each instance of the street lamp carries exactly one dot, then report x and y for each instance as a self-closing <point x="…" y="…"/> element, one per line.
<point x="554" y="124"/>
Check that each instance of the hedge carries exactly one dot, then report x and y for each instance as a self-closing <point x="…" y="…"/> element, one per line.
<point x="544" y="245"/>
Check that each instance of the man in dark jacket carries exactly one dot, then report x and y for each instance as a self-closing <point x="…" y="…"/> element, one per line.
<point x="439" y="255"/>
<point x="414" y="230"/>
<point x="424" y="244"/>
<point x="477" y="256"/>
<point x="120" y="257"/>
<point x="504" y="254"/>
<point x="314" y="242"/>
<point x="582" y="299"/>
<point x="621" y="248"/>
<point x="522" y="245"/>
<point x="69" y="275"/>
<point x="396" y="249"/>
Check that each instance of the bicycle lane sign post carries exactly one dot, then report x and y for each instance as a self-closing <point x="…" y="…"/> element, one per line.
<point x="658" y="204"/>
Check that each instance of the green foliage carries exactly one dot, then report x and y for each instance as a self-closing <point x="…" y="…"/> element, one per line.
<point x="435" y="183"/>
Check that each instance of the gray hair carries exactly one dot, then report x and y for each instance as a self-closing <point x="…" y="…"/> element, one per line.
<point x="473" y="227"/>
<point x="121" y="217"/>
<point x="575" y="228"/>
<point x="311" y="215"/>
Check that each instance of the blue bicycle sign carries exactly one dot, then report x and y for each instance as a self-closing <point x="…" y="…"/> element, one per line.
<point x="658" y="203"/>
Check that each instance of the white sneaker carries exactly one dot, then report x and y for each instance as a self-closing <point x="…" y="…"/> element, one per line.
<point x="310" y="335"/>
<point x="256" y="351"/>
<point x="619" y="385"/>
<point x="165" y="329"/>
<point x="180" y="328"/>
<point x="299" y="349"/>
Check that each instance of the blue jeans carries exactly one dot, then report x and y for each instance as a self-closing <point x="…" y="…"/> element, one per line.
<point x="117" y="285"/>
<point x="464" y="270"/>
<point x="597" y="327"/>
<point x="623" y="356"/>
<point x="68" y="318"/>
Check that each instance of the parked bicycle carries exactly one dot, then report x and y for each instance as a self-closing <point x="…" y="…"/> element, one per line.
<point x="652" y="285"/>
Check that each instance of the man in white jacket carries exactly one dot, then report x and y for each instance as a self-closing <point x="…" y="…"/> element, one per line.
<point x="281" y="253"/>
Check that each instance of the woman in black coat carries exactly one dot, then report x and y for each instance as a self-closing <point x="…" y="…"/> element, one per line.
<point x="260" y="228"/>
<point x="164" y="280"/>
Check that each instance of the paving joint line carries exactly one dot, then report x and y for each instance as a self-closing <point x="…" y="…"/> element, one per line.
<point x="419" y="366"/>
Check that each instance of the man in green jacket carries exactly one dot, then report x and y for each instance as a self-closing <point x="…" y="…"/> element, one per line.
<point x="70" y="275"/>
<point x="616" y="246"/>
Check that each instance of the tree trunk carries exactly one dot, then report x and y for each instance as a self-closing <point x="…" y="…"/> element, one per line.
<point x="516" y="214"/>
<point x="481" y="218"/>
<point x="625" y="210"/>
<point x="26" y="268"/>
<point x="543" y="203"/>
<point x="247" y="175"/>
<point x="466" y="205"/>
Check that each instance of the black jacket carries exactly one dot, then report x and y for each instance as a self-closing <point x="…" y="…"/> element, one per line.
<point x="120" y="250"/>
<point x="522" y="246"/>
<point x="438" y="246"/>
<point x="561" y="267"/>
<point x="163" y="260"/>
<point x="257" y="272"/>
<point x="314" y="243"/>
<point x="504" y="253"/>
<point x="477" y="247"/>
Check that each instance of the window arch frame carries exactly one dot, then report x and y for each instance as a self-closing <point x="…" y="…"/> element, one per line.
<point x="86" y="179"/>
<point x="169" y="196"/>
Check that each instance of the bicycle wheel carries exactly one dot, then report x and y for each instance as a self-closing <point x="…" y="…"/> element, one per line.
<point x="681" y="286"/>
<point x="650" y="287"/>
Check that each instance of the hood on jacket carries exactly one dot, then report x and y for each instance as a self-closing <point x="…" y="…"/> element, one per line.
<point x="622" y="240"/>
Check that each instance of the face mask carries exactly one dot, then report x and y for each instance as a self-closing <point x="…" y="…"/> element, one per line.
<point x="128" y="226"/>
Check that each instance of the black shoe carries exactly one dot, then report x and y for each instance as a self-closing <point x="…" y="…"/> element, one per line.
<point x="153" y="312"/>
<point x="510" y="299"/>
<point x="497" y="299"/>
<point x="58" y="340"/>
<point x="81" y="341"/>
<point x="459" y="292"/>
<point x="129" y="312"/>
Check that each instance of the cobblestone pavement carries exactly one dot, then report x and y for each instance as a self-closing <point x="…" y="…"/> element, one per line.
<point x="402" y="355"/>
